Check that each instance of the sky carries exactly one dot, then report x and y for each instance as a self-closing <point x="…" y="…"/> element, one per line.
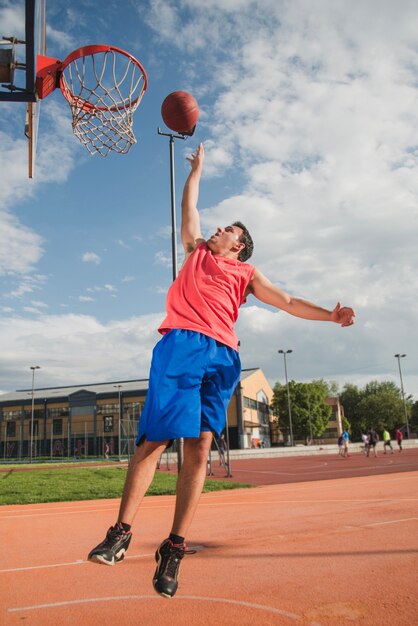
<point x="309" y="118"/>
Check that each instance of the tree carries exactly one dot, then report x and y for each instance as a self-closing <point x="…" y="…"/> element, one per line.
<point x="414" y="416"/>
<point x="310" y="413"/>
<point x="379" y="405"/>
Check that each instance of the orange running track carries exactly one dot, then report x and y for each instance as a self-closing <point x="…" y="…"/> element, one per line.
<point x="334" y="551"/>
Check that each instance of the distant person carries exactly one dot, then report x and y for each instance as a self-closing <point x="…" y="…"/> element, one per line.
<point x="194" y="371"/>
<point x="346" y="441"/>
<point x="373" y="441"/>
<point x="365" y="440"/>
<point x="340" y="442"/>
<point x="106" y="450"/>
<point x="386" y="441"/>
<point x="221" y="443"/>
<point x="399" y="439"/>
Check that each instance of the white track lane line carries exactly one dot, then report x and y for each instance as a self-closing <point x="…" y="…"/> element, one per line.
<point x="393" y="521"/>
<point x="203" y="504"/>
<point x="249" y="605"/>
<point x="198" y="548"/>
<point x="79" y="562"/>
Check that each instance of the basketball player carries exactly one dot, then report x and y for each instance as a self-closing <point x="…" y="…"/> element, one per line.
<point x="194" y="371"/>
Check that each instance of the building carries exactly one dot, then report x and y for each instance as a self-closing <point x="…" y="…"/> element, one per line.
<point x="250" y="418"/>
<point x="83" y="420"/>
<point x="335" y="425"/>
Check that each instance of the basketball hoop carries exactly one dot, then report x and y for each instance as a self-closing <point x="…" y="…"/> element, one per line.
<point x="103" y="86"/>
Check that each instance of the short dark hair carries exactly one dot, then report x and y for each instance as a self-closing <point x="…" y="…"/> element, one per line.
<point x="246" y="239"/>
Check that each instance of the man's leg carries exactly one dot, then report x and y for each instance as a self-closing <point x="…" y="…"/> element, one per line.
<point x="140" y="474"/>
<point x="190" y="482"/>
<point x="189" y="488"/>
<point x="141" y="471"/>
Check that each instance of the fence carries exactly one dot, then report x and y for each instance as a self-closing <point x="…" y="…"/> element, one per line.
<point x="80" y="439"/>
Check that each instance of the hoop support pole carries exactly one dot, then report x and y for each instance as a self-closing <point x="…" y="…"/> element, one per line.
<point x="174" y="246"/>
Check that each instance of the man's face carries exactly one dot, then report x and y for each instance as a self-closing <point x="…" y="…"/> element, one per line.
<point x="225" y="239"/>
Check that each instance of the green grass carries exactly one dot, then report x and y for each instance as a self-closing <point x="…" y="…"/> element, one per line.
<point x="64" y="484"/>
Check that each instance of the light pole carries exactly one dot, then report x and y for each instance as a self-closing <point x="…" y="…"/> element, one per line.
<point x="284" y="352"/>
<point x="309" y="415"/>
<point x="399" y="357"/>
<point x="33" y="368"/>
<point x="119" y="387"/>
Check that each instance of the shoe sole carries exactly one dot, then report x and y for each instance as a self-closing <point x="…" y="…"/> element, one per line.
<point x="98" y="558"/>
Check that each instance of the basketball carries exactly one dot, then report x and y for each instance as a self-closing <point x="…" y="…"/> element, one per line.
<point x="180" y="112"/>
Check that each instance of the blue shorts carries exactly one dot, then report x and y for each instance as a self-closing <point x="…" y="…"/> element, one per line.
<point x="191" y="382"/>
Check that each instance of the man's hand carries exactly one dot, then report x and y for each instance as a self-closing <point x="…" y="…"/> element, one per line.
<point x="343" y="315"/>
<point x="196" y="160"/>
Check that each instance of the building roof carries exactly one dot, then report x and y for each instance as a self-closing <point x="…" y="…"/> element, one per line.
<point x="127" y="387"/>
<point x="248" y="372"/>
<point x="60" y="393"/>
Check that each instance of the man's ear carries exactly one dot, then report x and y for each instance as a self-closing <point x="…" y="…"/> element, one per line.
<point x="238" y="247"/>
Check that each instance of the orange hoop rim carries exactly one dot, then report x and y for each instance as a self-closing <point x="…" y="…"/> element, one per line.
<point x="88" y="51"/>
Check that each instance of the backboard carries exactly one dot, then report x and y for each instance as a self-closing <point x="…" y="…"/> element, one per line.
<point x="18" y="54"/>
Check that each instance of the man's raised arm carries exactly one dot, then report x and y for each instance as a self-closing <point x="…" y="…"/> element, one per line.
<point x="190" y="221"/>
<point x="265" y="291"/>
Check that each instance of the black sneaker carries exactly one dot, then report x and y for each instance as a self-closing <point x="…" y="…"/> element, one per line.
<point x="168" y="557"/>
<point x="113" y="548"/>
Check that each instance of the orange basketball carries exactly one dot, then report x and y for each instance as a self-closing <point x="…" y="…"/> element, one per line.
<point x="180" y="112"/>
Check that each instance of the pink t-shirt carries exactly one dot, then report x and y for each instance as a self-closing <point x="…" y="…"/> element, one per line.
<point x="207" y="294"/>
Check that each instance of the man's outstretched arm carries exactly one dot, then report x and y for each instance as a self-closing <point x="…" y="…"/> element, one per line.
<point x="265" y="291"/>
<point x="190" y="221"/>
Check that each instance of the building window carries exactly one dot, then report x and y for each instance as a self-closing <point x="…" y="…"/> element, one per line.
<point x="35" y="428"/>
<point x="58" y="412"/>
<point x="249" y="403"/>
<point x="107" y="408"/>
<point x="38" y="413"/>
<point x="11" y="429"/>
<point x="108" y="423"/>
<point x="57" y="427"/>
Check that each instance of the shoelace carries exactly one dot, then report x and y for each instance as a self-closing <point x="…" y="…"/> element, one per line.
<point x="114" y="533"/>
<point x="174" y="558"/>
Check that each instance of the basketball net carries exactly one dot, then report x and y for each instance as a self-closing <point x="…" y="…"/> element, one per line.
<point x="103" y="86"/>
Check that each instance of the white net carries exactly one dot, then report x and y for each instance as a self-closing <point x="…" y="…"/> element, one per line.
<point x="103" y="89"/>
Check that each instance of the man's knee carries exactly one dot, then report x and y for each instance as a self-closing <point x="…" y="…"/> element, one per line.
<point x="145" y="449"/>
<point x="197" y="450"/>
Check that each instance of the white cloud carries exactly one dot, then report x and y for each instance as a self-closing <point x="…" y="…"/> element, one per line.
<point x="162" y="258"/>
<point x="318" y="111"/>
<point x="91" y="257"/>
<point x="12" y="19"/>
<point x="75" y="349"/>
<point x="20" y="247"/>
<point x="309" y="114"/>
<point x="32" y="309"/>
<point x="85" y="299"/>
<point x="27" y="284"/>
<point x="61" y="40"/>
<point x="39" y="305"/>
